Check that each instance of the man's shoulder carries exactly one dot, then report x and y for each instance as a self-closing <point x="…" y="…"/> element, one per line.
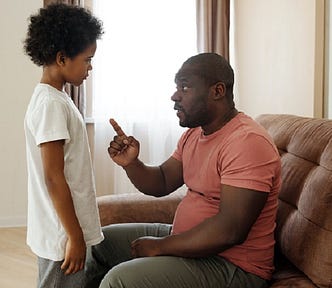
<point x="244" y="125"/>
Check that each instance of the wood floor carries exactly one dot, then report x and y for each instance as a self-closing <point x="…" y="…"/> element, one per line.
<point x="18" y="266"/>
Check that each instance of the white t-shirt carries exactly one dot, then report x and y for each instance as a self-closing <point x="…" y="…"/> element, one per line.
<point x="52" y="115"/>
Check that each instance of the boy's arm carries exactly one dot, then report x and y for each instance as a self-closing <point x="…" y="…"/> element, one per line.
<point x="58" y="189"/>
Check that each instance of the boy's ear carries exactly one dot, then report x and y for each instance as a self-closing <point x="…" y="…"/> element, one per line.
<point x="220" y="90"/>
<point x="60" y="58"/>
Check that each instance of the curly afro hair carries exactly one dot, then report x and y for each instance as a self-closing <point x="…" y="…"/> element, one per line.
<point x="60" y="28"/>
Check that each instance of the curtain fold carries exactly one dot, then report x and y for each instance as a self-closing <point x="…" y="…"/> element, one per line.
<point x="213" y="21"/>
<point x="77" y="94"/>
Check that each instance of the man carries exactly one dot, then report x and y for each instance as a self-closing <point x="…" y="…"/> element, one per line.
<point x="222" y="233"/>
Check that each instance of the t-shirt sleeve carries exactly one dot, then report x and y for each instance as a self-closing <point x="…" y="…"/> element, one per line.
<point x="249" y="163"/>
<point x="49" y="122"/>
<point x="177" y="154"/>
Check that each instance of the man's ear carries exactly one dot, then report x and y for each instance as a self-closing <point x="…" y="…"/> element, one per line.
<point x="220" y="90"/>
<point x="60" y="58"/>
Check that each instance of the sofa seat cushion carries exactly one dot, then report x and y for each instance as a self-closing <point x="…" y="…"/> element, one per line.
<point x="291" y="279"/>
<point x="286" y="275"/>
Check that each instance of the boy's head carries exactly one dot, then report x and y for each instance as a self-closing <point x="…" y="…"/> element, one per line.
<point x="60" y="28"/>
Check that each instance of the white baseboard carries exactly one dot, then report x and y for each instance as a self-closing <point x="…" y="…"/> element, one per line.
<point x="17" y="221"/>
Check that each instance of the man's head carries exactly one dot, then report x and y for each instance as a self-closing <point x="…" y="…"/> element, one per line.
<point x="212" y="68"/>
<point x="60" y="28"/>
<point x="204" y="90"/>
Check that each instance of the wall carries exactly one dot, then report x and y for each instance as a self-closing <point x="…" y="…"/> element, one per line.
<point x="278" y="56"/>
<point x="18" y="77"/>
<point x="328" y="67"/>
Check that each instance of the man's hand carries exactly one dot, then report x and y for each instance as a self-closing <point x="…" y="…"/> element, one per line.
<point x="146" y="247"/>
<point x="74" y="256"/>
<point x="123" y="149"/>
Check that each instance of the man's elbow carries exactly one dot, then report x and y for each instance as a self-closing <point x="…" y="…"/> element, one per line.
<point x="237" y="237"/>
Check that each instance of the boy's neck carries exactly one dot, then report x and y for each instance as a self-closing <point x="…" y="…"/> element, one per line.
<point x="51" y="77"/>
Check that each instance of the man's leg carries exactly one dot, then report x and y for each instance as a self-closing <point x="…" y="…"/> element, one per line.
<point x="115" y="248"/>
<point x="178" y="272"/>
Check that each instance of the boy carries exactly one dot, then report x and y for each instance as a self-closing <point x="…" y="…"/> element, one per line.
<point x="62" y="212"/>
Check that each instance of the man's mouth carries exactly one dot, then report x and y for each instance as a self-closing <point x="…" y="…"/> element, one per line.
<point x="179" y="111"/>
<point x="178" y="108"/>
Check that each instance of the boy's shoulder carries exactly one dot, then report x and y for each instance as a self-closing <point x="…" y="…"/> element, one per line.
<point x="46" y="88"/>
<point x="45" y="96"/>
<point x="45" y="92"/>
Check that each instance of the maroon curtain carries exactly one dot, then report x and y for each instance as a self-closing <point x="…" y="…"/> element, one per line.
<point x="77" y="94"/>
<point x="213" y="20"/>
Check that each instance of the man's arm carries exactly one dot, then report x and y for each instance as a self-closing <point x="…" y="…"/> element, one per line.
<point x="58" y="189"/>
<point x="152" y="180"/>
<point x="239" y="209"/>
<point x="157" y="181"/>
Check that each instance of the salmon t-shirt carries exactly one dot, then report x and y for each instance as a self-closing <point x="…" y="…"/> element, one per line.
<point x="240" y="154"/>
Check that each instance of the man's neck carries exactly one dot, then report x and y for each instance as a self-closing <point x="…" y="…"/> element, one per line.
<point x="228" y="116"/>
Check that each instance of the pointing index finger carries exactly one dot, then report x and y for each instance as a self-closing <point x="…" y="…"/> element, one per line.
<point x="117" y="128"/>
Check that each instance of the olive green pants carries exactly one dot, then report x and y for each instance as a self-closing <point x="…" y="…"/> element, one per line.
<point x="110" y="264"/>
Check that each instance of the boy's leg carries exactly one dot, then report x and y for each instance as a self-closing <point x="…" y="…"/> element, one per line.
<point x="51" y="275"/>
<point x="115" y="248"/>
<point x="178" y="272"/>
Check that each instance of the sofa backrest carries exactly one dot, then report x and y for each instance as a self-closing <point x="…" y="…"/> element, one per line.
<point x="304" y="219"/>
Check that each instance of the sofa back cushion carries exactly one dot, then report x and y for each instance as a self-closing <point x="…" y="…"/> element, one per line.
<point x="304" y="219"/>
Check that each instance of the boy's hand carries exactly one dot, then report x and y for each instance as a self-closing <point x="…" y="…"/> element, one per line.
<point x="74" y="256"/>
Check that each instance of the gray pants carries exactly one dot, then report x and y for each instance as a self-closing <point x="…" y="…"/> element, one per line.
<point x="50" y="275"/>
<point x="110" y="264"/>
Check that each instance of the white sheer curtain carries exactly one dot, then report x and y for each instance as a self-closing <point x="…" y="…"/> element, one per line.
<point x="144" y="44"/>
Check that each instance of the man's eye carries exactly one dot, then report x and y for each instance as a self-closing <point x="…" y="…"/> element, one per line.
<point x="183" y="88"/>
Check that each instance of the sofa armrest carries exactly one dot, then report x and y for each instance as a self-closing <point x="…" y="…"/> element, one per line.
<point x="137" y="207"/>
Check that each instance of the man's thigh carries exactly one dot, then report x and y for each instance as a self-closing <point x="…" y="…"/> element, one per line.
<point x="168" y="272"/>
<point x="115" y="248"/>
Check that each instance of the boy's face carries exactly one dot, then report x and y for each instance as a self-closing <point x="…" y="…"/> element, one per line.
<point x="76" y="69"/>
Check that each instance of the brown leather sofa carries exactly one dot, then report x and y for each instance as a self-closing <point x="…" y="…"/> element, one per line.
<point x="303" y="256"/>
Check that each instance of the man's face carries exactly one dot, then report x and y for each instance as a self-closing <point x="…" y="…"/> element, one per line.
<point x="191" y="98"/>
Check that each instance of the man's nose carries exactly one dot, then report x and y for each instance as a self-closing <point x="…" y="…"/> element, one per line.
<point x="176" y="96"/>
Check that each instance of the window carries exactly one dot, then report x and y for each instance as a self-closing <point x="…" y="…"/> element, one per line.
<point x="144" y="44"/>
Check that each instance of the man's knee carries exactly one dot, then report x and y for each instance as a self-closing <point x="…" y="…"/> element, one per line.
<point x="119" y="277"/>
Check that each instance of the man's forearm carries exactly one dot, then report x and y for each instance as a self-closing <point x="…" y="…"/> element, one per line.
<point x="147" y="179"/>
<point x="203" y="240"/>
